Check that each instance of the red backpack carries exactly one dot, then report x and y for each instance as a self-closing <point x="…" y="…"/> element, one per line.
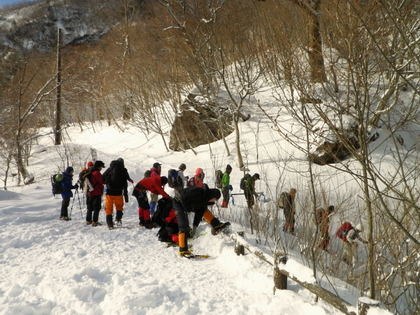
<point x="343" y="229"/>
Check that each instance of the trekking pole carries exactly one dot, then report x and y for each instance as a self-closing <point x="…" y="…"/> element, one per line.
<point x="71" y="209"/>
<point x="80" y="205"/>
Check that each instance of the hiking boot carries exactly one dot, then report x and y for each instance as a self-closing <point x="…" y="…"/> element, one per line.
<point x="118" y="222"/>
<point x="88" y="222"/>
<point x="96" y="223"/>
<point x="186" y="254"/>
<point x="109" y="221"/>
<point x="141" y="223"/>
<point x="219" y="228"/>
<point x="148" y="224"/>
<point x="65" y="218"/>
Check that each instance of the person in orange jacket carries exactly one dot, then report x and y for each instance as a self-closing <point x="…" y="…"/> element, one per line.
<point x="155" y="186"/>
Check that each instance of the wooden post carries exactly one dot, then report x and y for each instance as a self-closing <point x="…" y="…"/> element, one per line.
<point x="239" y="249"/>
<point x="364" y="304"/>
<point x="280" y="279"/>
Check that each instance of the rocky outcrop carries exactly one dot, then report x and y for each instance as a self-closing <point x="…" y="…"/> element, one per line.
<point x="35" y="25"/>
<point x="199" y="122"/>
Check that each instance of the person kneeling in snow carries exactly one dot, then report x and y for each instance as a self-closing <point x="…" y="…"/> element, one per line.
<point x="155" y="186"/>
<point x="195" y="199"/>
<point x="165" y="218"/>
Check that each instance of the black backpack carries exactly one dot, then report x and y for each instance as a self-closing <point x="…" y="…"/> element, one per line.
<point x="116" y="176"/>
<point x="163" y="208"/>
<point x="173" y="179"/>
<point x="56" y="181"/>
<point x="219" y="177"/>
<point x="244" y="179"/>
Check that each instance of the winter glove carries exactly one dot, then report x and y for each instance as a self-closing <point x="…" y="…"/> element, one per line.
<point x="131" y="181"/>
<point x="230" y="187"/>
<point x="76" y="186"/>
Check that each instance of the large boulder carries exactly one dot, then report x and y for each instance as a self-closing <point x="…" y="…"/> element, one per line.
<point x="199" y="122"/>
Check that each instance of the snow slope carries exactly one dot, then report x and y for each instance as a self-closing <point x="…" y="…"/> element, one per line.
<point x="62" y="268"/>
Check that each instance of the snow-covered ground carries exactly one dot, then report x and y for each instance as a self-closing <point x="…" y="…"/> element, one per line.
<point x="54" y="267"/>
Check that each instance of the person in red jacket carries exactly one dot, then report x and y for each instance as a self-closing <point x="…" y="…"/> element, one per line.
<point x="155" y="186"/>
<point x="198" y="179"/>
<point x="95" y="196"/>
<point x="155" y="171"/>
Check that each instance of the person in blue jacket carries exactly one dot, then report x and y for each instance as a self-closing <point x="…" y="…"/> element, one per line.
<point x="67" y="193"/>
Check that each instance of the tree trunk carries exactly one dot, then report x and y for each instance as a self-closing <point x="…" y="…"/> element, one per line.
<point x="316" y="58"/>
<point x="237" y="142"/>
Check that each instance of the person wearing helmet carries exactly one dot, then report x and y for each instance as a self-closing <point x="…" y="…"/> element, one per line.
<point x="350" y="244"/>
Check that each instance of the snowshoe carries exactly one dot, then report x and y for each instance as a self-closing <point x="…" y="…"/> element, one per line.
<point x="186" y="254"/>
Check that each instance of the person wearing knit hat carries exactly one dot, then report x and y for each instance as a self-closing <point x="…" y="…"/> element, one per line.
<point x="226" y="186"/>
<point x="94" y="195"/>
<point x="197" y="200"/>
<point x="67" y="186"/>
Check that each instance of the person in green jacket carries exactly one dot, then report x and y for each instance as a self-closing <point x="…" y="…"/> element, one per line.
<point x="226" y="186"/>
<point x="250" y="193"/>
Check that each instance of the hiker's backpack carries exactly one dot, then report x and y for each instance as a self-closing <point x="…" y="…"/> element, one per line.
<point x="283" y="199"/>
<point x="84" y="176"/>
<point x="147" y="174"/>
<point x="218" y="178"/>
<point x="244" y="179"/>
<point x="163" y="208"/>
<point x="343" y="230"/>
<point x="115" y="177"/>
<point x="174" y="180"/>
<point x="56" y="181"/>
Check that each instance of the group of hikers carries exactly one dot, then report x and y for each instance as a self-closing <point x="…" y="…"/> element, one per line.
<point x="191" y="195"/>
